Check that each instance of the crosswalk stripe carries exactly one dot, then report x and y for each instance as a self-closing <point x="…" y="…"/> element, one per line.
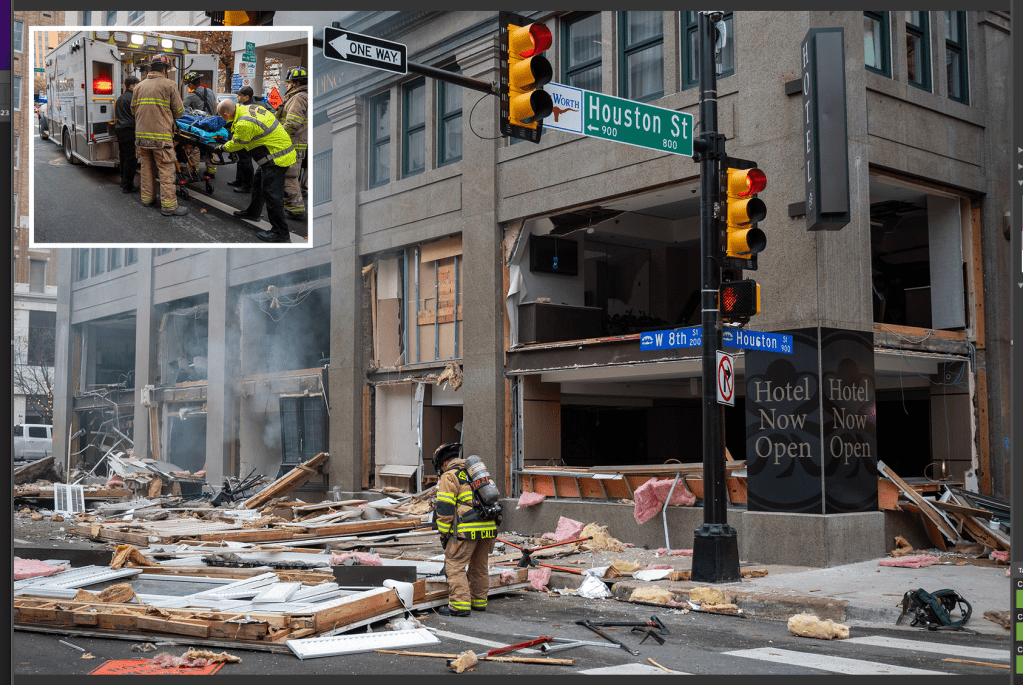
<point x="934" y="647"/>
<point x="629" y="669"/>
<point x="825" y="662"/>
<point x="228" y="209"/>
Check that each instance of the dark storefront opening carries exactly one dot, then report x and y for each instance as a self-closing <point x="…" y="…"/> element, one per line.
<point x="285" y="323"/>
<point x="186" y="442"/>
<point x="904" y="431"/>
<point x="184" y="340"/>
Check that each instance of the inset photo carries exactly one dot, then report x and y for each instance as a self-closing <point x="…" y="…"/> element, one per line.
<point x="171" y="137"/>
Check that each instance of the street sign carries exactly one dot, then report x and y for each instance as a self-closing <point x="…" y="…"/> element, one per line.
<point x="744" y="338"/>
<point x="355" y="48"/>
<point x="670" y="340"/>
<point x="597" y="115"/>
<point x="40" y="69"/>
<point x="250" y="52"/>
<point x="725" y="379"/>
<point x="741" y="338"/>
<point x="236" y="82"/>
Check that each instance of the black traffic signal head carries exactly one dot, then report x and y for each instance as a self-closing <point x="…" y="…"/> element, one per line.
<point x="524" y="72"/>
<point x="743" y="238"/>
<point x="739" y="300"/>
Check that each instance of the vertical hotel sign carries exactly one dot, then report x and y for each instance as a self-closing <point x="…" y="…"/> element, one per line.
<point x="825" y="138"/>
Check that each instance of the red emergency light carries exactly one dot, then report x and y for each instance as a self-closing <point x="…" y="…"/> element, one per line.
<point x="102" y="86"/>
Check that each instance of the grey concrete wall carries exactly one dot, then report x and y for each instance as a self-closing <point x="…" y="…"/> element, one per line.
<point x="146" y="337"/>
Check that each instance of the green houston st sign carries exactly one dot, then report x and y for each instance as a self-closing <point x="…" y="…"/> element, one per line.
<point x="597" y="115"/>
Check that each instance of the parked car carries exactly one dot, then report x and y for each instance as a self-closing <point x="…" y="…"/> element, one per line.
<point x="32" y="441"/>
<point x="44" y="125"/>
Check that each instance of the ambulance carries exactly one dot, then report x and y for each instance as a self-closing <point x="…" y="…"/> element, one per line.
<point x="84" y="77"/>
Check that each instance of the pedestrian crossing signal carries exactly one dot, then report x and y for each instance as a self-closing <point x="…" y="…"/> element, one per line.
<point x="739" y="300"/>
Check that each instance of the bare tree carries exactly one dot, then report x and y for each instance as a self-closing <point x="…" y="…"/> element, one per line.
<point x="215" y="43"/>
<point x="33" y="372"/>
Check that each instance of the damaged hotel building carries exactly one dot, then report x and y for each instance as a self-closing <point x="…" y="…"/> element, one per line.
<point x="528" y="273"/>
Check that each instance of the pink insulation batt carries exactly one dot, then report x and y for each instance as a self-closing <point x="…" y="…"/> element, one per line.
<point x="364" y="558"/>
<point x="650" y="497"/>
<point x="30" y="568"/>
<point x="528" y="499"/>
<point x="568" y="529"/>
<point x="910" y="562"/>
<point x="539" y="577"/>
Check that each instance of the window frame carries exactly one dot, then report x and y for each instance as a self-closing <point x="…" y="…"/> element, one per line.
<point x="885" y="27"/>
<point x="625" y="51"/>
<point x="34" y="356"/>
<point x="959" y="46"/>
<point x="31" y="262"/>
<point x="376" y="143"/>
<point x="16" y="92"/>
<point x="98" y="262"/>
<point x="17" y="151"/>
<point x="137" y="20"/>
<point x="18" y="35"/>
<point x="86" y="18"/>
<point x="131" y="256"/>
<point x="108" y="18"/>
<point x="687" y="34"/>
<point x="323" y="178"/>
<point x="443" y="119"/>
<point x="82" y="272"/>
<point x="923" y="32"/>
<point x="597" y="63"/>
<point x="114" y="255"/>
<point x="406" y="130"/>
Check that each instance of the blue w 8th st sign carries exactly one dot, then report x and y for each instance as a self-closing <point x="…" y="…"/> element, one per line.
<point x="731" y="337"/>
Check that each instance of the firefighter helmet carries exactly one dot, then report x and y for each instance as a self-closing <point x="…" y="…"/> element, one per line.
<point x="160" y="61"/>
<point x="445" y="452"/>
<point x="298" y="74"/>
<point x="193" y="77"/>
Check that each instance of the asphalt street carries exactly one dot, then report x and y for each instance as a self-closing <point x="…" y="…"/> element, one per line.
<point x="84" y="205"/>
<point x="698" y="644"/>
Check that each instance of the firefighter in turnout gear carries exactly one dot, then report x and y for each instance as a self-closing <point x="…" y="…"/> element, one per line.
<point x="155" y="106"/>
<point x="199" y="98"/>
<point x="293" y="113"/>
<point x="467" y="539"/>
<point x="255" y="129"/>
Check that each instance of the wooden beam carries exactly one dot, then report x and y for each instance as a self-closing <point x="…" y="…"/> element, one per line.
<point x="915" y="332"/>
<point x="978" y="276"/>
<point x="285" y="484"/>
<point x="960" y="509"/>
<point x="983" y="431"/>
<point x="367" y="400"/>
<point x="926" y="507"/>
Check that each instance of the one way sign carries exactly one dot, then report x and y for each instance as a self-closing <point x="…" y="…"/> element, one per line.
<point x="355" y="48"/>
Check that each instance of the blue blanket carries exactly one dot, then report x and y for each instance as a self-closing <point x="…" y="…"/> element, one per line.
<point x="209" y="130"/>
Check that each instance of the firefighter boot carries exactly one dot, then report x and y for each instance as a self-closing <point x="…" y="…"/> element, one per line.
<point x="177" y="211"/>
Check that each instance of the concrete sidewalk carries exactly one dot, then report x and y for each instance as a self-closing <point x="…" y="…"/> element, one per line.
<point x="861" y="594"/>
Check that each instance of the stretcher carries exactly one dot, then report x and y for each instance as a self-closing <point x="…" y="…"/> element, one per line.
<point x="187" y="135"/>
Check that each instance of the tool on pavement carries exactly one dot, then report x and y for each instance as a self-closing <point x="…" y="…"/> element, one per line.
<point x="567" y="643"/>
<point x="649" y="633"/>
<point x="654" y="622"/>
<point x="512" y="648"/>
<point x="607" y="637"/>
<point x="527" y="560"/>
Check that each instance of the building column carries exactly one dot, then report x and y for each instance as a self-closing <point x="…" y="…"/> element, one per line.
<point x="347" y="375"/>
<point x="219" y="390"/>
<point x="146" y="342"/>
<point x="63" y="360"/>
<point x="483" y="391"/>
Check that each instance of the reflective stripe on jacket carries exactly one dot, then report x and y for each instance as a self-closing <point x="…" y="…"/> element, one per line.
<point x="156" y="104"/>
<point x="454" y="494"/>
<point x="257" y="130"/>
<point x="294" y="114"/>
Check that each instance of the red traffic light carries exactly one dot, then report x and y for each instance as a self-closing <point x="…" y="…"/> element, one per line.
<point x="526" y="41"/>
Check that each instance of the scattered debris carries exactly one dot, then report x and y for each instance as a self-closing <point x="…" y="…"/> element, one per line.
<point x="359" y="557"/>
<point x="539" y="577"/>
<point x="602" y="540"/>
<point x="1002" y="556"/>
<point x="30" y="568"/>
<point x="902" y="547"/>
<point x="707" y="594"/>
<point x="652" y="594"/>
<point x="567" y="530"/>
<point x="977" y="663"/>
<point x="288" y="482"/>
<point x="933" y="610"/>
<point x="719" y="608"/>
<point x="910" y="562"/>
<point x="651" y="495"/>
<point x="808" y="625"/>
<point x="664" y="551"/>
<point x="999" y="617"/>
<point x="87" y="655"/>
<point x="144" y="647"/>
<point x="528" y="499"/>
<point x="128" y="554"/>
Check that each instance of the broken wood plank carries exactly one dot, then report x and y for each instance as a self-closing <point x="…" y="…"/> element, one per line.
<point x="32" y="471"/>
<point x="961" y="509"/>
<point x="181" y="626"/>
<point x="982" y="533"/>
<point x="926" y="506"/>
<point x="516" y="659"/>
<point x="288" y="482"/>
<point x="977" y="663"/>
<point x="365" y="526"/>
<point x="356" y="608"/>
<point x="265" y="646"/>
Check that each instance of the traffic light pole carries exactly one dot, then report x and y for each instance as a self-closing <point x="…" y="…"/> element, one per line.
<point x="715" y="545"/>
